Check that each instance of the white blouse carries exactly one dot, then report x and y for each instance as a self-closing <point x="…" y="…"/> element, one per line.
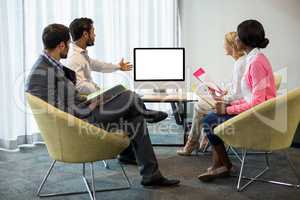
<point x="235" y="91"/>
<point x="246" y="92"/>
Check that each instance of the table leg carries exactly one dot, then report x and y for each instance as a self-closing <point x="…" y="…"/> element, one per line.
<point x="182" y="112"/>
<point x="184" y="120"/>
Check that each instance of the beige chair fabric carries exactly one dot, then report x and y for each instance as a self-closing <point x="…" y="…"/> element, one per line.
<point x="72" y="140"/>
<point x="266" y="127"/>
<point x="278" y="79"/>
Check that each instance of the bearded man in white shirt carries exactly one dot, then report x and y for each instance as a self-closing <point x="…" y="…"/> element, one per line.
<point x="83" y="35"/>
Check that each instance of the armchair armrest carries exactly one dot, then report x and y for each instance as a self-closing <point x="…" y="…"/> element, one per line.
<point x="262" y="127"/>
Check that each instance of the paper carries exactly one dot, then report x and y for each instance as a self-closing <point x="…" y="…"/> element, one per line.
<point x="94" y="94"/>
<point x="106" y="95"/>
<point x="200" y="75"/>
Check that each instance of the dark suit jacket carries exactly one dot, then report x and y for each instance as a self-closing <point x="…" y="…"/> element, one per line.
<point x="56" y="87"/>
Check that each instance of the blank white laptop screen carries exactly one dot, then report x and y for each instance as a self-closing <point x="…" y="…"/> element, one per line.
<point x="159" y="64"/>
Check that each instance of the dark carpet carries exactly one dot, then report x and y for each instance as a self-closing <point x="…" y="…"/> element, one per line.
<point x="22" y="172"/>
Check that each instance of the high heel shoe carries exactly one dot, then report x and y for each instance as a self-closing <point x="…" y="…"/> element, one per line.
<point x="190" y="146"/>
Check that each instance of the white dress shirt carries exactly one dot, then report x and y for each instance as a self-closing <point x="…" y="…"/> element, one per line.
<point x="79" y="61"/>
<point x="246" y="92"/>
<point x="235" y="90"/>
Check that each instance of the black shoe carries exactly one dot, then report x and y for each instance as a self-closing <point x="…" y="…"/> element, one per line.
<point x="162" y="182"/>
<point x="153" y="116"/>
<point x="127" y="161"/>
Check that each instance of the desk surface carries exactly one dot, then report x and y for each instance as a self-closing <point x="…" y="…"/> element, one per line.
<point x="184" y="97"/>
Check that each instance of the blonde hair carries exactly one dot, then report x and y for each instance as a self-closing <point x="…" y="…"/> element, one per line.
<point x="230" y="40"/>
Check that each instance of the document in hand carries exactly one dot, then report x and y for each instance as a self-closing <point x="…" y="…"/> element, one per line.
<point x="201" y="92"/>
<point x="105" y="96"/>
<point x="200" y="75"/>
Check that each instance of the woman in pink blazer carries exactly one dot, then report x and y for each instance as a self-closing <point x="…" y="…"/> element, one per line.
<point x="257" y="86"/>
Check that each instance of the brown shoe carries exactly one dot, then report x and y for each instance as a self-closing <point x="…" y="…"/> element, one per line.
<point x="190" y="146"/>
<point x="212" y="174"/>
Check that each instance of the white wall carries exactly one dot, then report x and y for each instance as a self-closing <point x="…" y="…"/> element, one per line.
<point x="204" y="23"/>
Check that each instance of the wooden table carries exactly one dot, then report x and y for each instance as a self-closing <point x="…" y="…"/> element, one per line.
<point x="181" y="99"/>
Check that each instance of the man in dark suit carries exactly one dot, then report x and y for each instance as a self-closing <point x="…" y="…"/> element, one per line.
<point x="54" y="83"/>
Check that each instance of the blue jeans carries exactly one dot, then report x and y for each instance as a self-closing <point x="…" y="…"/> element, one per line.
<point x="210" y="121"/>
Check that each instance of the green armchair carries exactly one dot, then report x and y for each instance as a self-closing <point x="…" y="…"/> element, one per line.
<point x="72" y="140"/>
<point x="266" y="127"/>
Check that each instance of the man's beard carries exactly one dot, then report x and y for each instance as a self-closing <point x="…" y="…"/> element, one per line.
<point x="63" y="55"/>
<point x="90" y="43"/>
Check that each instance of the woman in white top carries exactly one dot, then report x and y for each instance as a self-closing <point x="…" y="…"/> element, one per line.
<point x="202" y="107"/>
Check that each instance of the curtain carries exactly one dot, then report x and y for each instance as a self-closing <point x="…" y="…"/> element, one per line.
<point x="12" y="117"/>
<point x="120" y="26"/>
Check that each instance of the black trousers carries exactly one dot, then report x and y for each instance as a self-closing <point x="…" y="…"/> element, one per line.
<point x="125" y="112"/>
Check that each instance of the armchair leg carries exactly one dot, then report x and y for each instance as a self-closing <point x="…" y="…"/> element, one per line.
<point x="234" y="151"/>
<point x="86" y="183"/>
<point x="93" y="181"/>
<point x="241" y="170"/>
<point x="256" y="178"/>
<point x="238" y="156"/>
<point x="90" y="189"/>
<point x="45" y="178"/>
<point x="126" y="177"/>
<point x="105" y="164"/>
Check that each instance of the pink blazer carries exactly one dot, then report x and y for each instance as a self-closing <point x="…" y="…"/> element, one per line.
<point x="260" y="81"/>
